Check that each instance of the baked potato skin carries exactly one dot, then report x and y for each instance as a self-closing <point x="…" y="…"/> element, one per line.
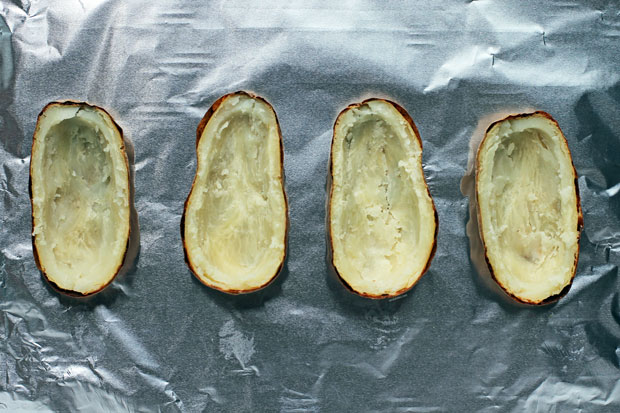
<point x="201" y="125"/>
<point x="35" y="253"/>
<point x="409" y="120"/>
<point x="565" y="290"/>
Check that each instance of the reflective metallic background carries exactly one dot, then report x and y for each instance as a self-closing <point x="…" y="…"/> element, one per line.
<point x="158" y="340"/>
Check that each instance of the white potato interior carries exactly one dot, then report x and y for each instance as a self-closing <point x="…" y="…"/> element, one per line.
<point x="235" y="221"/>
<point x="382" y="217"/>
<point x="80" y="189"/>
<point x="528" y="207"/>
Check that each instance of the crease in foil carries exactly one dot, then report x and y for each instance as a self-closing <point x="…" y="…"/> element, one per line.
<point x="156" y="340"/>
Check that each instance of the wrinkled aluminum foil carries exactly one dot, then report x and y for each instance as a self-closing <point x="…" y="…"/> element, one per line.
<point x="158" y="340"/>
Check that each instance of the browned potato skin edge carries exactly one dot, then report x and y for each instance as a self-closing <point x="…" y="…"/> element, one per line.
<point x="408" y="118"/>
<point x="199" y="130"/>
<point x="34" y="246"/>
<point x="555" y="297"/>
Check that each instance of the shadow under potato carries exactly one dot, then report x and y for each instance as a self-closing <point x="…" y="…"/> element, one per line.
<point x="130" y="264"/>
<point x="353" y="302"/>
<point x="248" y="300"/>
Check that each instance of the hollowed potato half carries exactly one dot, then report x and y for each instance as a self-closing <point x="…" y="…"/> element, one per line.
<point x="79" y="191"/>
<point x="234" y="225"/>
<point x="529" y="212"/>
<point x="382" y="220"/>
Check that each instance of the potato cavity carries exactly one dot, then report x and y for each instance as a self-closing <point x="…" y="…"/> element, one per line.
<point x="382" y="218"/>
<point x="80" y="197"/>
<point x="236" y="214"/>
<point x="528" y="207"/>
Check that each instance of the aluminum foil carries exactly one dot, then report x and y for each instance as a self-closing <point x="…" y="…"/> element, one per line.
<point x="158" y="340"/>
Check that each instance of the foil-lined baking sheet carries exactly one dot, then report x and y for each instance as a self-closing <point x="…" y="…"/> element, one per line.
<point x="158" y="340"/>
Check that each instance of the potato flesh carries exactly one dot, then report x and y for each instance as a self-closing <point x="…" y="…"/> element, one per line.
<point x="235" y="221"/>
<point x="528" y="207"/>
<point x="382" y="217"/>
<point x="80" y="198"/>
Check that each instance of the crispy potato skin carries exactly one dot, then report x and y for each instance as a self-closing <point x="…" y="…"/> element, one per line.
<point x="201" y="125"/>
<point x="565" y="290"/>
<point x="409" y="120"/>
<point x="34" y="247"/>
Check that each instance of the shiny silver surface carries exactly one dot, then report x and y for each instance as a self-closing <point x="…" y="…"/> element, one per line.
<point x="158" y="340"/>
